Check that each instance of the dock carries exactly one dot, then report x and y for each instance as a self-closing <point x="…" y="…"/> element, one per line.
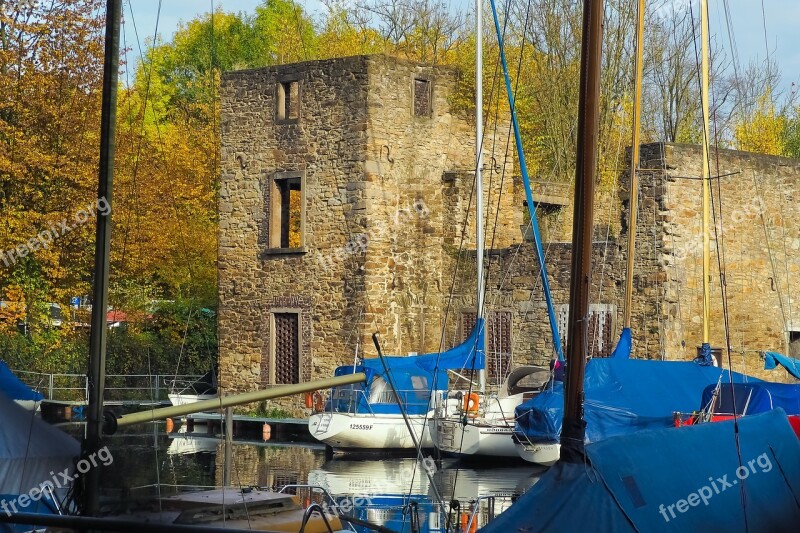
<point x="244" y="427"/>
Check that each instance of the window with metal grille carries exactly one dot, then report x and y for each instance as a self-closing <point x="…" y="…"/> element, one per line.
<point x="287" y="348"/>
<point x="601" y="328"/>
<point x="498" y="341"/>
<point x="422" y="98"/>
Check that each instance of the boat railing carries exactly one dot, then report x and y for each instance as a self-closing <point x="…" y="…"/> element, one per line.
<point x="329" y="504"/>
<point x="475" y="509"/>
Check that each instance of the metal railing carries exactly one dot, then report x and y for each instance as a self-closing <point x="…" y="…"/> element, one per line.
<point x="119" y="388"/>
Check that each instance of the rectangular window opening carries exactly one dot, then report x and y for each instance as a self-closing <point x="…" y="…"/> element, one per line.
<point x="288" y="100"/>
<point x="286" y="213"/>
<point x="422" y="98"/>
<point x="286" y="348"/>
<point x="794" y="344"/>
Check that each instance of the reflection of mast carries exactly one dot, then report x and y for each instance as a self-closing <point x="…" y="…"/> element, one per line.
<point x="633" y="203"/>
<point x="706" y="178"/>
<point x="574" y="427"/>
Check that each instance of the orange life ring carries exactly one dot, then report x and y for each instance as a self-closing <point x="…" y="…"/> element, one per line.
<point x="309" y="400"/>
<point x="471" y="404"/>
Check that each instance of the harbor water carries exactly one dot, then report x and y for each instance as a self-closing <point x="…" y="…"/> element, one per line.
<point x="392" y="491"/>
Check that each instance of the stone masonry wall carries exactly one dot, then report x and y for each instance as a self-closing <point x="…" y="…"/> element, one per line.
<point x="323" y="281"/>
<point x="378" y="207"/>
<point x="389" y="231"/>
<point x="757" y="221"/>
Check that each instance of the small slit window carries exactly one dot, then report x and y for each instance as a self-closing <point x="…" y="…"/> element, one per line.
<point x="288" y="100"/>
<point x="422" y="97"/>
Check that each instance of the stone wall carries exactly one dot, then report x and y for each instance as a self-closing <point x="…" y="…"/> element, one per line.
<point x="384" y="190"/>
<point x="756" y="245"/>
<point x="389" y="231"/>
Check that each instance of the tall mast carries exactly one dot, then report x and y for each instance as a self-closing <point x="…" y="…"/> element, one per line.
<point x="97" y="343"/>
<point x="479" y="245"/>
<point x="574" y="427"/>
<point x="706" y="178"/>
<point x="523" y="170"/>
<point x="633" y="204"/>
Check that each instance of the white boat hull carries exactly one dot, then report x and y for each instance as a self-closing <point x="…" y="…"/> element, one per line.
<point x="183" y="399"/>
<point x="453" y="438"/>
<point x="30" y="405"/>
<point x="346" y="431"/>
<point x="541" y="454"/>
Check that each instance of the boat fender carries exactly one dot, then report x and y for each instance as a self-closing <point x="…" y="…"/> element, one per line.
<point x="309" y="400"/>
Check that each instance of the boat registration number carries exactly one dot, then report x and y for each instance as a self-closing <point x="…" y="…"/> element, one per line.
<point x="361" y="426"/>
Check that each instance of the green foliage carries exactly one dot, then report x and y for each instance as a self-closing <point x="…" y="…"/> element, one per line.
<point x="265" y="410"/>
<point x="177" y="338"/>
<point x="792" y="136"/>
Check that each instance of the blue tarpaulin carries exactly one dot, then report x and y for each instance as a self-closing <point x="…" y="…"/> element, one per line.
<point x="678" y="479"/>
<point x="772" y="360"/>
<point x="14" y="388"/>
<point x="623" y="348"/>
<point x="752" y="398"/>
<point x="415" y="377"/>
<point x="622" y="396"/>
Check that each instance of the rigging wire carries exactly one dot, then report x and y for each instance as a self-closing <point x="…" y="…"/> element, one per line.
<point x="723" y="285"/>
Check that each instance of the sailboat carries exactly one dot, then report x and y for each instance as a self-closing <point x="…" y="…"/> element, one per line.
<point x="625" y="395"/>
<point x="393" y="408"/>
<point x="746" y="473"/>
<point x="473" y="423"/>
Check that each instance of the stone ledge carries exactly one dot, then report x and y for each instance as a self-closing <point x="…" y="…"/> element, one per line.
<point x="283" y="251"/>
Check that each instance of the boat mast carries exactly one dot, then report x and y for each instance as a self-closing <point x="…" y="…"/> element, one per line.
<point x="574" y="427"/>
<point x="479" y="243"/>
<point x="97" y="343"/>
<point x="523" y="170"/>
<point x="706" y="178"/>
<point x="633" y="204"/>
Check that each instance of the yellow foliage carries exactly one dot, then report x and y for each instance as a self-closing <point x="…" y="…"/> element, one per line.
<point x="12" y="310"/>
<point x="764" y="131"/>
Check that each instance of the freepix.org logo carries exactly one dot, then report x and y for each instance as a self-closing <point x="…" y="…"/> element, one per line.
<point x="58" y="480"/>
<point x="715" y="486"/>
<point x="55" y="231"/>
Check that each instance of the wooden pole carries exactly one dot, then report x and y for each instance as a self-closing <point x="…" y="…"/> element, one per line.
<point x="574" y="428"/>
<point x="633" y="203"/>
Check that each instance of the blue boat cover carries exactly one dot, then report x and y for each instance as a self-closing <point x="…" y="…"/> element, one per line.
<point x="623" y="348"/>
<point x="622" y="396"/>
<point x="415" y="377"/>
<point x="677" y="479"/>
<point x="13" y="387"/>
<point x="772" y="360"/>
<point x="753" y="398"/>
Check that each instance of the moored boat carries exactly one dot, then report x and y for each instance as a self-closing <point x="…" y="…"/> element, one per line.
<point x="469" y="424"/>
<point x="368" y="416"/>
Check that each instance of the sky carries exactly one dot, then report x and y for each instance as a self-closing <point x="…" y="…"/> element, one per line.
<point x="781" y="18"/>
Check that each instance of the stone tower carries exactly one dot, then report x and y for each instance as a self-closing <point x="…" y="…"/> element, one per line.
<point x="344" y="193"/>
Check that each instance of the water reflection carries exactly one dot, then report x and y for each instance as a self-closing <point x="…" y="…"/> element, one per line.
<point x="389" y="491"/>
